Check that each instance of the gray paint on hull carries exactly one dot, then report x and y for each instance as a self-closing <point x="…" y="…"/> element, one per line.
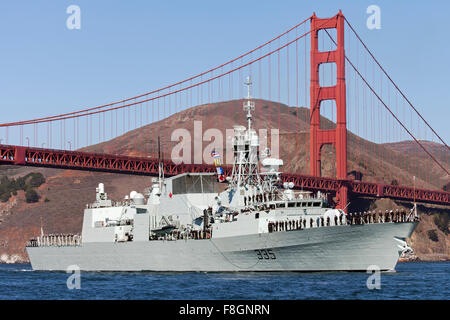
<point x="335" y="248"/>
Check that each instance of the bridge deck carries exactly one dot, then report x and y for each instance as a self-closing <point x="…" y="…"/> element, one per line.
<point x="63" y="159"/>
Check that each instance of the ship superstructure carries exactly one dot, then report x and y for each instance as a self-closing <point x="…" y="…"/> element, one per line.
<point x="184" y="224"/>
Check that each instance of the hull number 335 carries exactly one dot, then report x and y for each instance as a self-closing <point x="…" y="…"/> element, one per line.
<point x="265" y="254"/>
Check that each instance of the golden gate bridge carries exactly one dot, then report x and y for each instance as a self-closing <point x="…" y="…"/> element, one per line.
<point x="320" y="64"/>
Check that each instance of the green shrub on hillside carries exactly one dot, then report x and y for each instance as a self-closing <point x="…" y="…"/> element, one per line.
<point x="442" y="221"/>
<point x="31" y="196"/>
<point x="432" y="235"/>
<point x="37" y="179"/>
<point x="4" y="180"/>
<point x="26" y="183"/>
<point x="4" y="197"/>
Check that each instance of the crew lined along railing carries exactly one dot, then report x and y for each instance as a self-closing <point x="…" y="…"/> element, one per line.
<point x="55" y="240"/>
<point x="357" y="218"/>
<point x="187" y="235"/>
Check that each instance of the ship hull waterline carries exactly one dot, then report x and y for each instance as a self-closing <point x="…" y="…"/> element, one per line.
<point x="334" y="248"/>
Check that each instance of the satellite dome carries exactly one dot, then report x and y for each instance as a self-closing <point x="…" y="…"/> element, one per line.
<point x="138" y="198"/>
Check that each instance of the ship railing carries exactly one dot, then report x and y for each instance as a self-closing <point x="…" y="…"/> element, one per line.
<point x="358" y="218"/>
<point x="185" y="235"/>
<point x="113" y="204"/>
<point x="55" y="240"/>
<point x="389" y="216"/>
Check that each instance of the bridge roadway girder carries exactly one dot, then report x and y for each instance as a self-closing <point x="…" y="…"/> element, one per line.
<point x="76" y="160"/>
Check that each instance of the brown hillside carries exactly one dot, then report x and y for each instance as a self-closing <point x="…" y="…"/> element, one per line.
<point x="377" y="163"/>
<point x="68" y="191"/>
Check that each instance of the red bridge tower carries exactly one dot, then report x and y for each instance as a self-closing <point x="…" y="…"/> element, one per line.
<point x="338" y="136"/>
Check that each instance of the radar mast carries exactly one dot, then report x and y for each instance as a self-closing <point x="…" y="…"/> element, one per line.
<point x="246" y="149"/>
<point x="249" y="105"/>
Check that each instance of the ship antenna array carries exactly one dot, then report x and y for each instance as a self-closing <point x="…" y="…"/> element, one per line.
<point x="160" y="166"/>
<point x="249" y="105"/>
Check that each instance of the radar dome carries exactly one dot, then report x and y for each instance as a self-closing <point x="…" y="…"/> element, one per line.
<point x="138" y="198"/>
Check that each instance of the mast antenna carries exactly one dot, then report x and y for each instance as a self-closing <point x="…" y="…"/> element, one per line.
<point x="160" y="166"/>
<point x="249" y="105"/>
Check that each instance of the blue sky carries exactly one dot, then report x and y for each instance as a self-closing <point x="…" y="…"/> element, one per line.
<point x="125" y="48"/>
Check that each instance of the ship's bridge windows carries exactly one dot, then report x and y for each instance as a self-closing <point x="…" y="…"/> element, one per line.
<point x="281" y="205"/>
<point x="291" y="204"/>
<point x="141" y="210"/>
<point x="194" y="184"/>
<point x="316" y="204"/>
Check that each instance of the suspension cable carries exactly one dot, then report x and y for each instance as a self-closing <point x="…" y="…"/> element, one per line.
<point x="392" y="81"/>
<point x="388" y="109"/>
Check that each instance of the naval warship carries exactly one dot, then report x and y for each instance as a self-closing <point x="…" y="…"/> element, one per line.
<point x="255" y="224"/>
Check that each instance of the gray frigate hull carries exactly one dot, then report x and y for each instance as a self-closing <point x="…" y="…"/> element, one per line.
<point x="334" y="248"/>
